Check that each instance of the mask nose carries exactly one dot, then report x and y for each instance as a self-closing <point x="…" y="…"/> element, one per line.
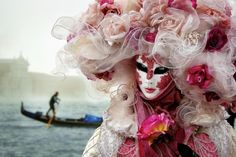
<point x="149" y="74"/>
<point x="149" y="83"/>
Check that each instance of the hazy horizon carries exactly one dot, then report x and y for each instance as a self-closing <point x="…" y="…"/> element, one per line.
<point x="19" y="84"/>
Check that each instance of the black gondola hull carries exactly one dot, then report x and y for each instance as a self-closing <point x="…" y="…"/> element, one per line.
<point x="58" y="121"/>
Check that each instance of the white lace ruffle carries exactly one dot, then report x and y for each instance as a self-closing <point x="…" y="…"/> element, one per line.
<point x="199" y="113"/>
<point x="103" y="143"/>
<point x="109" y="142"/>
<point x="91" y="149"/>
<point x="120" y="116"/>
<point x="223" y="137"/>
<point x="211" y="119"/>
<point x="118" y="123"/>
<point x="124" y="126"/>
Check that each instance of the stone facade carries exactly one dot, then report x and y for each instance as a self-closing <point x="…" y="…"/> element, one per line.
<point x="16" y="83"/>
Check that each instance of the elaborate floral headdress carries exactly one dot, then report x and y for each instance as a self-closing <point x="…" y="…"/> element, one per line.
<point x="195" y="38"/>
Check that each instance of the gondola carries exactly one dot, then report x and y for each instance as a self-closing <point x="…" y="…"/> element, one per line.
<point x="87" y="121"/>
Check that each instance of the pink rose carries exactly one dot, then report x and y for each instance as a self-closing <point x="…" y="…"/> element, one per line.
<point x="199" y="75"/>
<point x="93" y="16"/>
<point x="152" y="127"/>
<point x="107" y="8"/>
<point x="153" y="13"/>
<point x="150" y="37"/>
<point x="173" y="22"/>
<point x="128" y="5"/>
<point x="136" y="19"/>
<point x="114" y="28"/>
<point x="216" y="39"/>
<point x="170" y="2"/>
<point x="101" y="2"/>
<point x="194" y="3"/>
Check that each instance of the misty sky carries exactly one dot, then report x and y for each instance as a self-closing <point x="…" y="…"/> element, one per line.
<point x="25" y="27"/>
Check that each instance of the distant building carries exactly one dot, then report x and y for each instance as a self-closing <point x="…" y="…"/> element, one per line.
<point x="19" y="84"/>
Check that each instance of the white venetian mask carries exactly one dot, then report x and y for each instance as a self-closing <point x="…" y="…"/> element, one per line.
<point x="152" y="78"/>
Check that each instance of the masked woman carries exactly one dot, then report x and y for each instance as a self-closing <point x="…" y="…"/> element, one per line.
<point x="169" y="66"/>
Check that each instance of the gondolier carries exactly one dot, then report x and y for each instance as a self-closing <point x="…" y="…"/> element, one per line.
<point x="54" y="99"/>
<point x="88" y="120"/>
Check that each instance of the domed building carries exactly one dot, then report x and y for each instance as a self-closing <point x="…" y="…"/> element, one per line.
<point x="15" y="77"/>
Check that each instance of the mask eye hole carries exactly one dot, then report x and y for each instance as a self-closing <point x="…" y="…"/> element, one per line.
<point x="141" y="67"/>
<point x="161" y="70"/>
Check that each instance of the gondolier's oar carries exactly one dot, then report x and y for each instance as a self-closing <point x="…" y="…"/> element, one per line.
<point x="51" y="119"/>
